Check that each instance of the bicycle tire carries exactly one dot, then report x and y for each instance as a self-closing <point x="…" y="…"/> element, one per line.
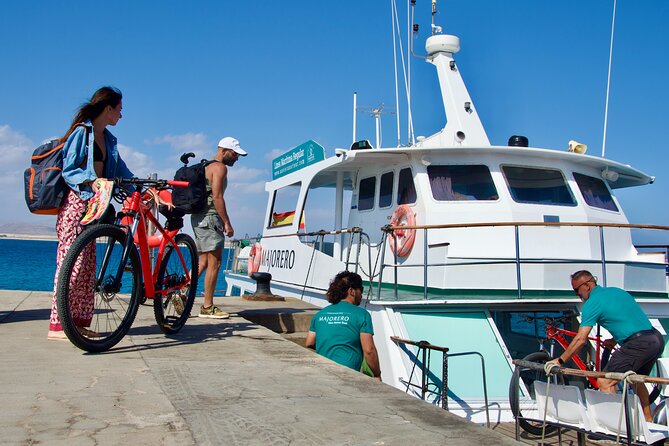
<point x="172" y="311"/>
<point x="114" y="309"/>
<point x="529" y="376"/>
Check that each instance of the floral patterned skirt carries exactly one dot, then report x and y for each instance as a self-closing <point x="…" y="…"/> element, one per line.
<point x="82" y="280"/>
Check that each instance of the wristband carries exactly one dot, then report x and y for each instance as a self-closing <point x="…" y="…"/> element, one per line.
<point x="560" y="361"/>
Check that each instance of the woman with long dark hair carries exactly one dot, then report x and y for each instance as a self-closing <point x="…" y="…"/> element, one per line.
<point x="90" y="152"/>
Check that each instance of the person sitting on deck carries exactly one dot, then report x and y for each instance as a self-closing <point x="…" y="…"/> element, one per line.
<point x="343" y="331"/>
<point x="617" y="311"/>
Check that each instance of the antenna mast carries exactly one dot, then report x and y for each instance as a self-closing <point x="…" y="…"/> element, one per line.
<point x="410" y="8"/>
<point x="377" y="112"/>
<point x="608" y="80"/>
<point x="355" y="101"/>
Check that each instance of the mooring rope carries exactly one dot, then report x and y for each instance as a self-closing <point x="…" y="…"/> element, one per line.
<point x="548" y="368"/>
<point x="626" y="383"/>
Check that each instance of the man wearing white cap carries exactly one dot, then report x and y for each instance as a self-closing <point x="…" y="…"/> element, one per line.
<point x="212" y="225"/>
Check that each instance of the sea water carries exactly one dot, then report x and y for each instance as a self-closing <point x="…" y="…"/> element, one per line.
<point x="31" y="264"/>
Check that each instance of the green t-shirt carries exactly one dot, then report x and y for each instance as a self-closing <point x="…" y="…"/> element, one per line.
<point x="338" y="329"/>
<point x="616" y="310"/>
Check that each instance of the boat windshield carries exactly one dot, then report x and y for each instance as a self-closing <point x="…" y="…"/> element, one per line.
<point x="595" y="193"/>
<point x="461" y="183"/>
<point x="538" y="185"/>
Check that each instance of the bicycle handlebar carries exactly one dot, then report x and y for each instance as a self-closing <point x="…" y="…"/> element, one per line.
<point x="150" y="183"/>
<point x="177" y="183"/>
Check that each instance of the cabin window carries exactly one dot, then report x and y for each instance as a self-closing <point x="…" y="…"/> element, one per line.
<point x="386" y="190"/>
<point x="461" y="183"/>
<point x="284" y="205"/>
<point x="537" y="185"/>
<point x="595" y="193"/>
<point x="366" y="193"/>
<point x="406" y="191"/>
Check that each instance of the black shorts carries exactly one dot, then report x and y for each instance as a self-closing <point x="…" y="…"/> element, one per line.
<point x="638" y="354"/>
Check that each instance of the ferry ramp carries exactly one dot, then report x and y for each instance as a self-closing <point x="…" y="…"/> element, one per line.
<point x="231" y="382"/>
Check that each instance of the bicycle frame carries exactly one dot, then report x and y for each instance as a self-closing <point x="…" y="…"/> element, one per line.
<point x="553" y="332"/>
<point x="133" y="217"/>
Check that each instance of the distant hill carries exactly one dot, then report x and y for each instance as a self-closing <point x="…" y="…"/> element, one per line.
<point x="48" y="228"/>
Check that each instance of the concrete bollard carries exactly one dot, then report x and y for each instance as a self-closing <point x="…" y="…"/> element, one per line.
<point x="263" y="291"/>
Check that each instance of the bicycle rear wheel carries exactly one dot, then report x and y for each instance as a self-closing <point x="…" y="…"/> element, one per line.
<point x="529" y="376"/>
<point x="172" y="308"/>
<point x="96" y="310"/>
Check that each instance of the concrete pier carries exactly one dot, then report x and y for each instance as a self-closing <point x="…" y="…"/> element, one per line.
<point x="231" y="382"/>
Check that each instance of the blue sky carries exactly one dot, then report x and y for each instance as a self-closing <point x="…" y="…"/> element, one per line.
<point x="275" y="74"/>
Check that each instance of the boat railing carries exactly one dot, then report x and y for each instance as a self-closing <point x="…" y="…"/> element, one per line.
<point x="358" y="237"/>
<point x="319" y="242"/>
<point x="234" y="247"/>
<point x="665" y="251"/>
<point x="423" y="355"/>
<point x="389" y="231"/>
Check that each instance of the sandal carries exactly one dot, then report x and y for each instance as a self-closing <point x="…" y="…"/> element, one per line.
<point x="56" y="335"/>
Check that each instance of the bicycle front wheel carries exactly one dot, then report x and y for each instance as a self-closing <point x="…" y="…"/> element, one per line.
<point x="97" y="296"/>
<point x="175" y="293"/>
<point x="529" y="376"/>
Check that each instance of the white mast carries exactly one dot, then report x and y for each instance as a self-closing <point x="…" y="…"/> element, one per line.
<point x="463" y="126"/>
<point x="608" y="79"/>
<point x="355" y="100"/>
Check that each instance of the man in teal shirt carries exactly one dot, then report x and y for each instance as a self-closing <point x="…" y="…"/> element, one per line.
<point x="617" y="311"/>
<point x="343" y="331"/>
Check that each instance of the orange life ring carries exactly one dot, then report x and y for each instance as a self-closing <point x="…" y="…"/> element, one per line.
<point x="254" y="258"/>
<point x="403" y="239"/>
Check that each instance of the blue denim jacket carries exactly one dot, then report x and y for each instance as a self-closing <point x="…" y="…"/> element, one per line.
<point x="75" y="151"/>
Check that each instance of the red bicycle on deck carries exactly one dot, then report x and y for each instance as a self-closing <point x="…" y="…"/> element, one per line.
<point x="124" y="274"/>
<point x="554" y="335"/>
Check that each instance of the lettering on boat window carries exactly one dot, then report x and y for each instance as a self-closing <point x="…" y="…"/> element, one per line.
<point x="461" y="183"/>
<point x="366" y="193"/>
<point x="386" y="190"/>
<point x="406" y="191"/>
<point x="595" y="193"/>
<point x="538" y="185"/>
<point x="284" y="205"/>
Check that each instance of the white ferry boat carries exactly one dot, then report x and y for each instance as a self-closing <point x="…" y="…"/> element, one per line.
<point x="456" y="239"/>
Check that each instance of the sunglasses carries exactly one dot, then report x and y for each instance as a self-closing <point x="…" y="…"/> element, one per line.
<point x="592" y="279"/>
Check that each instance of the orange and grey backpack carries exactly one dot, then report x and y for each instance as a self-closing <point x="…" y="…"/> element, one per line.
<point x="45" y="188"/>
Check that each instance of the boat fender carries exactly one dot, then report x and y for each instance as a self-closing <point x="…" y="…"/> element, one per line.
<point x="254" y="258"/>
<point x="403" y="241"/>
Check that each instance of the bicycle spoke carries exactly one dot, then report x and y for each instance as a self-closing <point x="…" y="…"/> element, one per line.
<point x="96" y="316"/>
<point x="176" y="285"/>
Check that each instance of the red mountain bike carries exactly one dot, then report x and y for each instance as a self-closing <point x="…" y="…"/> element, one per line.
<point x="554" y="335"/>
<point x="123" y="274"/>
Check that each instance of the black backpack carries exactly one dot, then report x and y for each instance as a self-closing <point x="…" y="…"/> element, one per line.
<point x="191" y="199"/>
<point x="43" y="181"/>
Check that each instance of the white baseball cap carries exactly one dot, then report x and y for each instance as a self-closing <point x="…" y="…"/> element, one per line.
<point x="232" y="144"/>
